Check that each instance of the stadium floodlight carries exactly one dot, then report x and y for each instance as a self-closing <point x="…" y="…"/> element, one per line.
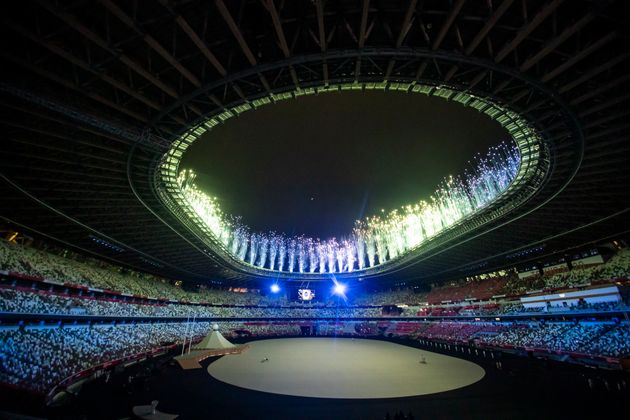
<point x="275" y="288"/>
<point x="339" y="289"/>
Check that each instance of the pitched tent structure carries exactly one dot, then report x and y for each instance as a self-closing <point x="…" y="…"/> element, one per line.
<point x="214" y="340"/>
<point x="213" y="344"/>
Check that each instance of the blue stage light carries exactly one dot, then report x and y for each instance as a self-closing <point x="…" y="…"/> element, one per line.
<point x="275" y="288"/>
<point x="339" y="289"/>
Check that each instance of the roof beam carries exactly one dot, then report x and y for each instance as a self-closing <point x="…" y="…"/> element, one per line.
<point x="71" y="85"/>
<point x="227" y="17"/>
<point x="151" y="42"/>
<point x="212" y="59"/>
<point x="517" y="97"/>
<point x="527" y="29"/>
<point x="275" y="18"/>
<point x="600" y="107"/>
<point x="404" y="29"/>
<point x="551" y="45"/>
<point x="229" y="20"/>
<point x="362" y="36"/>
<point x="201" y="45"/>
<point x="501" y="86"/>
<point x="321" y="29"/>
<point x="284" y="47"/>
<point x="477" y="79"/>
<point x="54" y="133"/>
<point x="406" y="23"/>
<point x="488" y="26"/>
<point x="481" y="35"/>
<point x="70" y="162"/>
<point x="530" y="62"/>
<point x="61" y="181"/>
<point x="56" y="188"/>
<point x="55" y="49"/>
<point x="362" y="30"/>
<point x="593" y="72"/>
<point x="619" y="115"/>
<point x="447" y="24"/>
<point x="319" y="6"/>
<point x="421" y="68"/>
<point x="38" y="114"/>
<point x="46" y="172"/>
<point x="74" y="23"/>
<point x="579" y="56"/>
<point x="594" y="92"/>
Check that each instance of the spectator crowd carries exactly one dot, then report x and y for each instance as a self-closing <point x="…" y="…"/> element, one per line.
<point x="37" y="357"/>
<point x="42" y="302"/>
<point x="71" y="269"/>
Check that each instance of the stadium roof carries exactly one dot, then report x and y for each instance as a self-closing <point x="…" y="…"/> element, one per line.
<point x="94" y="93"/>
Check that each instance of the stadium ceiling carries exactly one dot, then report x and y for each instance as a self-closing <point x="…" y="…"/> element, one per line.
<point x="94" y="93"/>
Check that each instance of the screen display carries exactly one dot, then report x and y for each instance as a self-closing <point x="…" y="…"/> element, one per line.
<point x="306" y="294"/>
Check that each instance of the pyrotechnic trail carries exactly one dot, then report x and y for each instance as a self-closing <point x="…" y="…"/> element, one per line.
<point x="374" y="240"/>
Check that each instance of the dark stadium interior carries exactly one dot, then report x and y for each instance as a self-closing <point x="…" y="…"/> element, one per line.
<point x="134" y="135"/>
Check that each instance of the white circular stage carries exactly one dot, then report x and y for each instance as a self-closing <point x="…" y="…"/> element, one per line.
<point x="343" y="368"/>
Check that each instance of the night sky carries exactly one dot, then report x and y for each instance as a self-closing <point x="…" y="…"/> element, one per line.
<point x="313" y="165"/>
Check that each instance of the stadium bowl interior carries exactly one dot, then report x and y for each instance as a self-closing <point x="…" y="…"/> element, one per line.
<point x="357" y="209"/>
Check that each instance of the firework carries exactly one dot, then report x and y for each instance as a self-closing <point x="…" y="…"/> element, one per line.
<point x="375" y="239"/>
